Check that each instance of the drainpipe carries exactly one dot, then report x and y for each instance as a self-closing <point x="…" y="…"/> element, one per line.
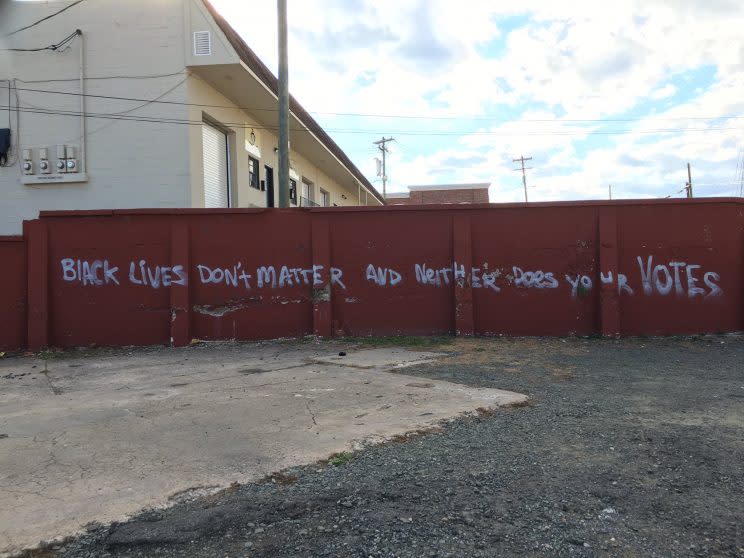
<point x="83" y="157"/>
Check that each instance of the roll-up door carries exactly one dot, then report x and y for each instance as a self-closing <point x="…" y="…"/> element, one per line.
<point x="216" y="167"/>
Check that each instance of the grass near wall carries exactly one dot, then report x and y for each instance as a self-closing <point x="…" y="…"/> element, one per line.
<point x="401" y="340"/>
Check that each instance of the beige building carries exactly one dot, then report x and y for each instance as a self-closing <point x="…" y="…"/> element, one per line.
<point x="144" y="103"/>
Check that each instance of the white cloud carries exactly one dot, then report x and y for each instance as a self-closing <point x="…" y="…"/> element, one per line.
<point x="567" y="60"/>
<point x="669" y="90"/>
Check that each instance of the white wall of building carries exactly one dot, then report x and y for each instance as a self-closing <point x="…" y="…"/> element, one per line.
<point x="136" y="155"/>
<point x="130" y="164"/>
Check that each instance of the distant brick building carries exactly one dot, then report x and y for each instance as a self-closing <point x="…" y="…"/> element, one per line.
<point x="444" y="193"/>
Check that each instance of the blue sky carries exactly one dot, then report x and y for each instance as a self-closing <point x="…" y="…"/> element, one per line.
<point x="597" y="94"/>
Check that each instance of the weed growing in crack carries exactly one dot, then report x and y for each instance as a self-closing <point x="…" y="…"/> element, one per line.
<point x="342" y="458"/>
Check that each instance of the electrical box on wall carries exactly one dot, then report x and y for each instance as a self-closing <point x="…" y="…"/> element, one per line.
<point x="44" y="166"/>
<point x="65" y="167"/>
<point x="27" y="165"/>
<point x="4" y="146"/>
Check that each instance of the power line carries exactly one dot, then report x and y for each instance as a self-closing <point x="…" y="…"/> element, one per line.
<point x="166" y="120"/>
<point x="364" y="115"/>
<point x="43" y="19"/>
<point x="92" y="78"/>
<point x="675" y="193"/>
<point x="111" y="123"/>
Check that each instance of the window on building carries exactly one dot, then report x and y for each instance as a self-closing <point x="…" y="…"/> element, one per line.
<point x="253" y="178"/>
<point x="293" y="191"/>
<point x="325" y="198"/>
<point x="216" y="166"/>
<point x="307" y="194"/>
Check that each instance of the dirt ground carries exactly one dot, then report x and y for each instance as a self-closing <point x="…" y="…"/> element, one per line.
<point x="629" y="447"/>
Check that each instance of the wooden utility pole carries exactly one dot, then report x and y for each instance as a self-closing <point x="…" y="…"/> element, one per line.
<point x="688" y="186"/>
<point x="283" y="101"/>
<point x="521" y="160"/>
<point x="381" y="145"/>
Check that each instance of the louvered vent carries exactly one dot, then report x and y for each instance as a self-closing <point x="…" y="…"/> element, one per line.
<point x="202" y="43"/>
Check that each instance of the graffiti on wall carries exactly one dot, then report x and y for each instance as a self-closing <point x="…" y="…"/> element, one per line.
<point x="677" y="277"/>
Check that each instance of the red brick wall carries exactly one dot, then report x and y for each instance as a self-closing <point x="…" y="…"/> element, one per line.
<point x="419" y="197"/>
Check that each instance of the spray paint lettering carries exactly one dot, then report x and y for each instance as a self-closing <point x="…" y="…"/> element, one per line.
<point x="97" y="272"/>
<point x="233" y="277"/>
<point x="534" y="279"/>
<point x="383" y="276"/>
<point x="267" y="276"/>
<point x="659" y="279"/>
<point x="580" y="284"/>
<point x="140" y="273"/>
<point x="622" y="282"/>
<point x="674" y="277"/>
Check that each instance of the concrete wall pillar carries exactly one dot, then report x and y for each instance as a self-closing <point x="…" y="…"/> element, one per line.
<point x="37" y="236"/>
<point x="608" y="264"/>
<point x="180" y="300"/>
<point x="322" y="307"/>
<point x="462" y="257"/>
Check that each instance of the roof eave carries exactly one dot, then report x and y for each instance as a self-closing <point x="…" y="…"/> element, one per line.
<point x="263" y="74"/>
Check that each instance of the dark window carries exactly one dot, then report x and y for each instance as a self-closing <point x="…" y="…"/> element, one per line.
<point x="253" y="173"/>
<point x="293" y="191"/>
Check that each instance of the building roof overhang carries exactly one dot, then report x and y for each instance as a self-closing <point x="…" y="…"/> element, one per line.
<point x="250" y="83"/>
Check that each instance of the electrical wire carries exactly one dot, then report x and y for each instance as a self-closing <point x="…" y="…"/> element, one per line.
<point x="35" y="23"/>
<point x="715" y="185"/>
<point x="391" y="116"/>
<point x="91" y="78"/>
<point x="108" y="124"/>
<point x="55" y="47"/>
<point x="675" y="193"/>
<point x="241" y="125"/>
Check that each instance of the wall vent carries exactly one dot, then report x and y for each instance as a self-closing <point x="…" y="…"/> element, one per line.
<point x="202" y="43"/>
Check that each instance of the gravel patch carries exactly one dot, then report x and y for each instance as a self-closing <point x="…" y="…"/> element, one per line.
<point x="630" y="447"/>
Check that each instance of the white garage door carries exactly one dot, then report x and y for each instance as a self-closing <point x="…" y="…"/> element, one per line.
<point x="216" y="167"/>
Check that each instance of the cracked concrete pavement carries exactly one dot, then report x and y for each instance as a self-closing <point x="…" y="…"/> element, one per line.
<point x="99" y="437"/>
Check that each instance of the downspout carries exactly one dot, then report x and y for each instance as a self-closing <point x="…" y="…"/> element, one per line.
<point x="83" y="158"/>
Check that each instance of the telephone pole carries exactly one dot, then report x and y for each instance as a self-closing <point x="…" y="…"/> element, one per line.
<point x="382" y="146"/>
<point x="521" y="160"/>
<point x="688" y="186"/>
<point x="283" y="101"/>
